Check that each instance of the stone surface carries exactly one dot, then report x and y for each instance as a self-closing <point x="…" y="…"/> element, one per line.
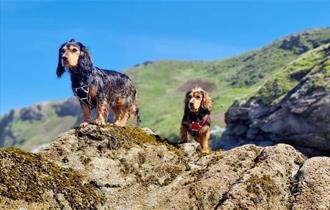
<point x="313" y="185"/>
<point x="127" y="168"/>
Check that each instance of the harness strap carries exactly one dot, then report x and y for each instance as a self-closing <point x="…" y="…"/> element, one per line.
<point x="82" y="92"/>
<point x="195" y="127"/>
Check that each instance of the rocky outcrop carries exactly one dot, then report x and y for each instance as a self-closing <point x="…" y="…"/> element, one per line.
<point x="292" y="107"/>
<point x="301" y="42"/>
<point x="129" y="168"/>
<point x="69" y="107"/>
<point x="32" y="126"/>
<point x="30" y="180"/>
<point x="32" y="113"/>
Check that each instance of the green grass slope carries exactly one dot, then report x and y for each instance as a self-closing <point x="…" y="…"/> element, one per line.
<point x="162" y="84"/>
<point x="283" y="80"/>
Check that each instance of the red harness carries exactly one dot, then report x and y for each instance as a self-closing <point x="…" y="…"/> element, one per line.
<point x="195" y="127"/>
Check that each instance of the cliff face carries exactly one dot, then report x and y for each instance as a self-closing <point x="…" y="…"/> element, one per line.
<point x="292" y="107"/>
<point x="130" y="168"/>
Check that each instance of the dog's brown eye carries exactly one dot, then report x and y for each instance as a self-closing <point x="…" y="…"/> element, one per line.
<point x="63" y="51"/>
<point x="198" y="97"/>
<point x="74" y="50"/>
<point x="189" y="97"/>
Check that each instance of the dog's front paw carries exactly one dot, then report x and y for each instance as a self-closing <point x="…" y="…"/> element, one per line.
<point x="99" y="122"/>
<point x="83" y="124"/>
<point x="205" y="151"/>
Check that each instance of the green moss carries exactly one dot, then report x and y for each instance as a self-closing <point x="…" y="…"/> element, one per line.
<point x="327" y="67"/>
<point x="215" y="159"/>
<point x="168" y="172"/>
<point x="196" y="175"/>
<point x="124" y="137"/>
<point x="173" y="172"/>
<point x="27" y="176"/>
<point x="264" y="185"/>
<point x="299" y="160"/>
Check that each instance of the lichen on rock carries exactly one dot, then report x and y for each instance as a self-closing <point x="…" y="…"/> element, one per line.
<point x="32" y="178"/>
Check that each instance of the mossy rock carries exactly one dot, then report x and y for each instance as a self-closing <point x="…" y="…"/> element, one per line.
<point x="124" y="137"/>
<point x="263" y="186"/>
<point x="32" y="178"/>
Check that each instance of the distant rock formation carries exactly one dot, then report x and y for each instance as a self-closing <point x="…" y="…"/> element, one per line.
<point x="35" y="125"/>
<point x="300" y="42"/>
<point x="69" y="107"/>
<point x="130" y="168"/>
<point x="293" y="107"/>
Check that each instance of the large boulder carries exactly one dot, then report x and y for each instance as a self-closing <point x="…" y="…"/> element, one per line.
<point x="130" y="168"/>
<point x="292" y="107"/>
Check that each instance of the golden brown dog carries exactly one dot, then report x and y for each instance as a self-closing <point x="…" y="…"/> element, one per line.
<point x="196" y="120"/>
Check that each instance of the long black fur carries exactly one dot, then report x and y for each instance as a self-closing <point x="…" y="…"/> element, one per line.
<point x="109" y="84"/>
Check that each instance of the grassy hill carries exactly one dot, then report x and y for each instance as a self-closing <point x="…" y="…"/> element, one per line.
<point x="162" y="86"/>
<point x="286" y="78"/>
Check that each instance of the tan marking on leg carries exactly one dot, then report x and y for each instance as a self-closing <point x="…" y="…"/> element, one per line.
<point x="102" y="113"/>
<point x="86" y="115"/>
<point x="122" y="115"/>
<point x="120" y="101"/>
<point x="92" y="92"/>
<point x="203" y="139"/>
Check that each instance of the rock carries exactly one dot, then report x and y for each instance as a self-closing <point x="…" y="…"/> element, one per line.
<point x="235" y="114"/>
<point x="69" y="107"/>
<point x="299" y="114"/>
<point x="30" y="180"/>
<point x="111" y="167"/>
<point x="313" y="185"/>
<point x="32" y="113"/>
<point x="240" y="130"/>
<point x="252" y="133"/>
<point x="299" y="43"/>
<point x="190" y="148"/>
<point x="266" y="184"/>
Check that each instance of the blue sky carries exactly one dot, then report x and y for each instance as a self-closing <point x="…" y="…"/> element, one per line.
<point x="120" y="34"/>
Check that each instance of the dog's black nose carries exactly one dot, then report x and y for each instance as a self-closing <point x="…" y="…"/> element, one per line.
<point x="64" y="58"/>
<point x="191" y="103"/>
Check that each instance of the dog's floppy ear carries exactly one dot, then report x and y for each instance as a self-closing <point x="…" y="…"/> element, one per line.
<point x="85" y="60"/>
<point x="186" y="100"/>
<point x="60" y="69"/>
<point x="207" y="101"/>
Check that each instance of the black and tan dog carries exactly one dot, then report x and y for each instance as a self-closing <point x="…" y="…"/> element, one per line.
<point x="196" y="120"/>
<point x="97" y="88"/>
